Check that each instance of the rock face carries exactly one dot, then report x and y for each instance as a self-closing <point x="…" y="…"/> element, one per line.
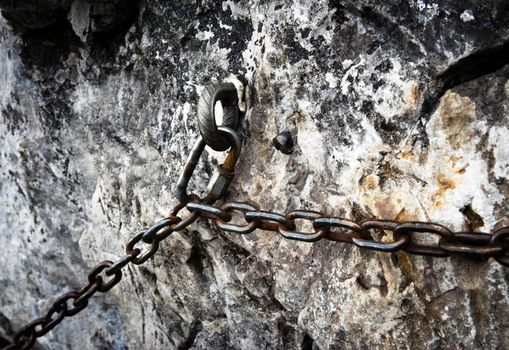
<point x="398" y="110"/>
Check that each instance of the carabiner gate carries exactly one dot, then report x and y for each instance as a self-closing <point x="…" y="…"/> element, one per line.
<point x="225" y="172"/>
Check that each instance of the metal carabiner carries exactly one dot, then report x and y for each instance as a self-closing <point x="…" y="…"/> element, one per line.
<point x="224" y="174"/>
<point x="218" y="138"/>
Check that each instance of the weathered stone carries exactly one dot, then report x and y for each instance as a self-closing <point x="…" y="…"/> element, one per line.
<point x="399" y="110"/>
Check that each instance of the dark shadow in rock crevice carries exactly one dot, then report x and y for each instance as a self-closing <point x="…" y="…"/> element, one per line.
<point x="307" y="342"/>
<point x="469" y="68"/>
<point x="194" y="329"/>
<point x="48" y="46"/>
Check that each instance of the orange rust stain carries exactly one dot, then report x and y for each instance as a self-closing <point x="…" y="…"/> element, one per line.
<point x="404" y="262"/>
<point x="370" y="182"/>
<point x="385" y="207"/>
<point x="405" y="215"/>
<point x="457" y="115"/>
<point x="437" y="203"/>
<point x="454" y="159"/>
<point x="258" y="186"/>
<point x="414" y="95"/>
<point x="444" y="184"/>
<point x="408" y="155"/>
<point x="388" y="208"/>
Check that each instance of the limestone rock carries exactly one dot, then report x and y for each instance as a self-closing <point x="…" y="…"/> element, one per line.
<point x="398" y="110"/>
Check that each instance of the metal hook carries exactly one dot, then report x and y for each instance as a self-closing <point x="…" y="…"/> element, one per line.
<point x="224" y="174"/>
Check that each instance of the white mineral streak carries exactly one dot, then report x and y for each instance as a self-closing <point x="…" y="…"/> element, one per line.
<point x="8" y="62"/>
<point x="467" y="16"/>
<point x="498" y="141"/>
<point x="452" y="176"/>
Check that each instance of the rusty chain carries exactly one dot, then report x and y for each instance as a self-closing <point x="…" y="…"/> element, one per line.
<point x="102" y="278"/>
<point x="379" y="235"/>
<point x="243" y="218"/>
<point x="367" y="234"/>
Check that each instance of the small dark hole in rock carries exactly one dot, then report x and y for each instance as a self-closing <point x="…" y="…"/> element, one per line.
<point x="475" y="220"/>
<point x="395" y="259"/>
<point x="195" y="260"/>
<point x="361" y="281"/>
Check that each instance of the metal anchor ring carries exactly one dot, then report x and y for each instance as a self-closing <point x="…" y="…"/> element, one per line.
<point x="226" y="93"/>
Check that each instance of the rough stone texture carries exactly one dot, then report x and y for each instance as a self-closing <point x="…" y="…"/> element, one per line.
<point x="399" y="110"/>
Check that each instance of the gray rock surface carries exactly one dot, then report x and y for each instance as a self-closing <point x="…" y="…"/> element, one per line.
<point x="398" y="110"/>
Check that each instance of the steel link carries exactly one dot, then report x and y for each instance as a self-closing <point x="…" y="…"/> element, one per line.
<point x="151" y="232"/>
<point x="77" y="307"/>
<point x="209" y="211"/>
<point x="38" y="326"/>
<point x="501" y="236"/>
<point x="333" y="222"/>
<point x="416" y="248"/>
<point x="147" y="254"/>
<point x="122" y="262"/>
<point x="85" y="293"/>
<point x="51" y="322"/>
<point x="473" y="245"/>
<point x="230" y="208"/>
<point x="194" y="215"/>
<point x="25" y="338"/>
<point x="30" y="330"/>
<point x="365" y="240"/>
<point x="269" y="221"/>
<point x="101" y="285"/>
<point x="302" y="236"/>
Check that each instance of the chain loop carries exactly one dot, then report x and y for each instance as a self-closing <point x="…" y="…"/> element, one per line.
<point x="501" y="237"/>
<point x="101" y="285"/>
<point x="230" y="208"/>
<point x="365" y="240"/>
<point x="209" y="211"/>
<point x="339" y="236"/>
<point x="62" y="302"/>
<point x="49" y="321"/>
<point x="147" y="254"/>
<point x="25" y="338"/>
<point x="122" y="262"/>
<point x="85" y="293"/>
<point x="151" y="232"/>
<point x="194" y="215"/>
<point x="302" y="236"/>
<point x="472" y="245"/>
<point x="409" y="228"/>
<point x="269" y="221"/>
